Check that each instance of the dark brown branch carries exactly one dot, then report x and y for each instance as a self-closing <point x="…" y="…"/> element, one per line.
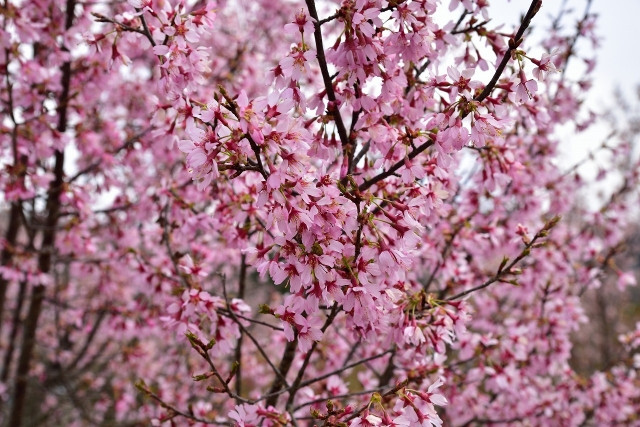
<point x="225" y="312"/>
<point x="445" y="252"/>
<point x="338" y="396"/>
<point x="352" y="133"/>
<point x="13" y="335"/>
<point x="328" y="19"/>
<point x="514" y="42"/>
<point x="15" y="213"/>
<point x="572" y="44"/>
<point x="362" y="152"/>
<point x="328" y="84"/>
<point x="344" y="368"/>
<point x="48" y="242"/>
<point x="10" y="240"/>
<point x="389" y="392"/>
<point x="203" y="351"/>
<point x="173" y="411"/>
<point x="462" y="16"/>
<point x="393" y="169"/>
<point x="283" y="368"/>
<point x="278" y="371"/>
<point x="506" y="269"/>
<point x="146" y="31"/>
<point x="166" y="239"/>
<point x="92" y="334"/>
<point x="387" y="374"/>
<point x="238" y="350"/>
<point x="105" y="19"/>
<point x="297" y="383"/>
<point x="471" y="28"/>
<point x="233" y="107"/>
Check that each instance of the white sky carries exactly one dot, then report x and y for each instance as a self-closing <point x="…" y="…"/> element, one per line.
<point x="619" y="55"/>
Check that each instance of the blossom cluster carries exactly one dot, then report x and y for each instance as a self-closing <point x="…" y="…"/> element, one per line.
<point x="279" y="213"/>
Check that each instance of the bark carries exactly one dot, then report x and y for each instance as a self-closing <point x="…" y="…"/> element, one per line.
<point x="47" y="248"/>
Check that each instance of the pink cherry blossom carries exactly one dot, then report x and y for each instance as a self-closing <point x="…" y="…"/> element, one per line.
<point x="280" y="213"/>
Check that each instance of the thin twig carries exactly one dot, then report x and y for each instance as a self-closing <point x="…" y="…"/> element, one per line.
<point x="505" y="269"/>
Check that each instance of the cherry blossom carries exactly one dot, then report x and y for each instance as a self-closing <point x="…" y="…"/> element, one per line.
<point x="307" y="213"/>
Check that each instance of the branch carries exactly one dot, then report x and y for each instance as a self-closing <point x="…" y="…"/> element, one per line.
<point x="393" y="169"/>
<point x="362" y="152"/>
<point x="16" y="211"/>
<point x="203" y="351"/>
<point x="338" y="396"/>
<point x="225" y="312"/>
<point x="447" y="248"/>
<point x="166" y="239"/>
<point x="92" y="334"/>
<point x="389" y="392"/>
<point x="97" y="163"/>
<point x="344" y="368"/>
<point x="173" y="411"/>
<point x="514" y="42"/>
<point x="238" y="350"/>
<point x="15" y="327"/>
<point x="146" y="31"/>
<point x="10" y="240"/>
<point x="48" y="242"/>
<point x="571" y="48"/>
<point x="387" y="374"/>
<point x="233" y="107"/>
<point x="471" y="28"/>
<point x="278" y="371"/>
<point x="505" y="269"/>
<point x="297" y="382"/>
<point x="105" y="19"/>
<point x="283" y="369"/>
<point x="328" y="84"/>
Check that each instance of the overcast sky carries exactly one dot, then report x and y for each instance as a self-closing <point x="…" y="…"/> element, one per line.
<point x="619" y="56"/>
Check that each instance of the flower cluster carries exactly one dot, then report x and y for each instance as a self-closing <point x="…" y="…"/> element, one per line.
<point x="266" y="212"/>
